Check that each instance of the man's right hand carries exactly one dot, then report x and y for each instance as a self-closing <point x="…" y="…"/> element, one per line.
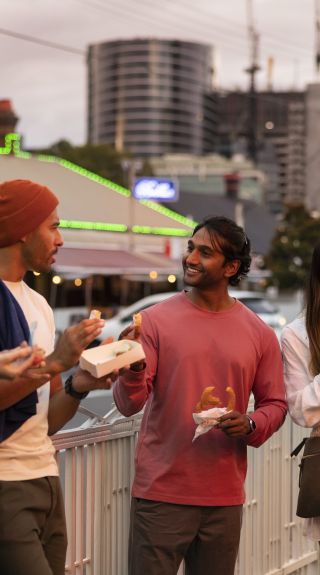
<point x="129" y="333"/>
<point x="73" y="341"/>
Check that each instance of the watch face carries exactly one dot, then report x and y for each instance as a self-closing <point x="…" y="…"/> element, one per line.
<point x="252" y="424"/>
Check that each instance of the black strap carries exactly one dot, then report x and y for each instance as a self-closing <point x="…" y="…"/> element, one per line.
<point x="299" y="447"/>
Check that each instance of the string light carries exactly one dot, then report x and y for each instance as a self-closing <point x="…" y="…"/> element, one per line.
<point x="56" y="280"/>
<point x="172" y="279"/>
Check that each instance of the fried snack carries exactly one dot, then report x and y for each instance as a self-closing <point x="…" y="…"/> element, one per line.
<point x="137" y="320"/>
<point x="231" y="399"/>
<point x="198" y="407"/>
<point x="95" y="314"/>
<point x="38" y="360"/>
<point x="125" y="347"/>
<point x="207" y="400"/>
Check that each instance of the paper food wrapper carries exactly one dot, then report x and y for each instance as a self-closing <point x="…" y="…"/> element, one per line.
<point x="207" y="419"/>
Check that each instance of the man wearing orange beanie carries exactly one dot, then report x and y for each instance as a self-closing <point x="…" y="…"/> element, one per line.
<point x="32" y="523"/>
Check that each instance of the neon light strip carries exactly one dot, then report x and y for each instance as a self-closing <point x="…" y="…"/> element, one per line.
<point x="87" y="174"/>
<point x="160" y="231"/>
<point x="169" y="213"/>
<point x="12" y="143"/>
<point x="101" y="226"/>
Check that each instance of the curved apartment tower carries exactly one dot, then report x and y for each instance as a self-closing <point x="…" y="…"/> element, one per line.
<point x="151" y="96"/>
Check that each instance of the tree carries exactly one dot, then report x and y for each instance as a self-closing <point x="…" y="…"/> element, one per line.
<point x="289" y="258"/>
<point x="101" y="159"/>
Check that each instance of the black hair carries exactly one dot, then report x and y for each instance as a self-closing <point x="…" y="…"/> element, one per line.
<point x="232" y="241"/>
<point x="312" y="296"/>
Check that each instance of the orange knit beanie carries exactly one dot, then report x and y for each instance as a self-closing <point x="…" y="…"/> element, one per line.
<point x="24" y="205"/>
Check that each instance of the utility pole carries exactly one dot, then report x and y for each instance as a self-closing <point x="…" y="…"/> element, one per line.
<point x="130" y="167"/>
<point x="253" y="37"/>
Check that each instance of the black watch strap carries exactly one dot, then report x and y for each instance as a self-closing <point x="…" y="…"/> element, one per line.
<point x="251" y="423"/>
<point x="68" y="387"/>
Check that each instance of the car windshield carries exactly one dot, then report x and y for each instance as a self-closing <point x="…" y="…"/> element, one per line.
<point x="259" y="305"/>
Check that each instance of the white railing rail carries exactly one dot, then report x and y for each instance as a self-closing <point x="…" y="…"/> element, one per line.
<point x="97" y="466"/>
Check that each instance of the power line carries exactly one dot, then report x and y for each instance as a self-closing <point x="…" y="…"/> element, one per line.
<point x="76" y="51"/>
<point x="233" y="24"/>
<point x="41" y="42"/>
<point x="193" y="22"/>
<point x="232" y="39"/>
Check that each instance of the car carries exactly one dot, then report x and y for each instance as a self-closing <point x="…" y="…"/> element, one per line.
<point x="256" y="301"/>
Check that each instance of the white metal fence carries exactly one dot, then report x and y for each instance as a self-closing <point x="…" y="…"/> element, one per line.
<point x="97" y="468"/>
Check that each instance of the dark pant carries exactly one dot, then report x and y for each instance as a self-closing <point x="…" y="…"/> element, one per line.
<point x="163" y="534"/>
<point x="33" y="537"/>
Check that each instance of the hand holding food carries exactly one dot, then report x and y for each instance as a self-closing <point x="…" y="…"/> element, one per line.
<point x="104" y="359"/>
<point x="208" y="411"/>
<point x="14" y="362"/>
<point x="38" y="357"/>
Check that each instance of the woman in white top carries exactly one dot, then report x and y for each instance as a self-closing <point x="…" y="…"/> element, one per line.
<point x="300" y="341"/>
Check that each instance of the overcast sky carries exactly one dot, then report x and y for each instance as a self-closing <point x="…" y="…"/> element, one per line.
<point x="47" y="86"/>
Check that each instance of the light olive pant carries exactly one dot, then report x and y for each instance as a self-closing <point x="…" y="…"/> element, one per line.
<point x="163" y="534"/>
<point x="33" y="537"/>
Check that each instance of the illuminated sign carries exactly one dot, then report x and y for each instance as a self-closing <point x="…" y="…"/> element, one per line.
<point x="159" y="189"/>
<point x="12" y="146"/>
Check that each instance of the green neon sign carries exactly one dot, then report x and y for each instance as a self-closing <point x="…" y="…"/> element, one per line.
<point x="12" y="145"/>
<point x="100" y="226"/>
<point x="160" y="231"/>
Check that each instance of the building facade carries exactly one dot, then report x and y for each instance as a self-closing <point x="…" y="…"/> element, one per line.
<point x="313" y="148"/>
<point x="151" y="96"/>
<point x="280" y="134"/>
<point x="213" y="175"/>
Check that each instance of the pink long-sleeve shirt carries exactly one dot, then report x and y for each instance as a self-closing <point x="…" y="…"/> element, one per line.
<point x="187" y="349"/>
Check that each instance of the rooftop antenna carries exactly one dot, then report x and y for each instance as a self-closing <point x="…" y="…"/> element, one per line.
<point x="253" y="37"/>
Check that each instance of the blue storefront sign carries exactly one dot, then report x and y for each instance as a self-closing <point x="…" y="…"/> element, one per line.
<point x="160" y="189"/>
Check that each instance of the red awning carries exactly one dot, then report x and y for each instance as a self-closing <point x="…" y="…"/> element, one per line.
<point x="88" y="261"/>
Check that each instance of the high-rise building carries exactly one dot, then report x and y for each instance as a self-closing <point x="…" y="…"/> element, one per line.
<point x="280" y="133"/>
<point x="151" y="96"/>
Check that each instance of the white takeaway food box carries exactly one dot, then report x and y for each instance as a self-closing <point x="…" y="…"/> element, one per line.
<point x="103" y="359"/>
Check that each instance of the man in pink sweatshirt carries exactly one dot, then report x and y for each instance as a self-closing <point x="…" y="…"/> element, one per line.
<point x="187" y="496"/>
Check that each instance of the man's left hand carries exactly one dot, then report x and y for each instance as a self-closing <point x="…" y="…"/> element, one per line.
<point x="84" y="381"/>
<point x="234" y="424"/>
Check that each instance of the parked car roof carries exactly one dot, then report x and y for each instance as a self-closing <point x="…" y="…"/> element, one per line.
<point x="256" y="301"/>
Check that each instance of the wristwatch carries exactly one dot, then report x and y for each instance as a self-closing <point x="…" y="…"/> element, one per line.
<point x="251" y="423"/>
<point x="68" y="387"/>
